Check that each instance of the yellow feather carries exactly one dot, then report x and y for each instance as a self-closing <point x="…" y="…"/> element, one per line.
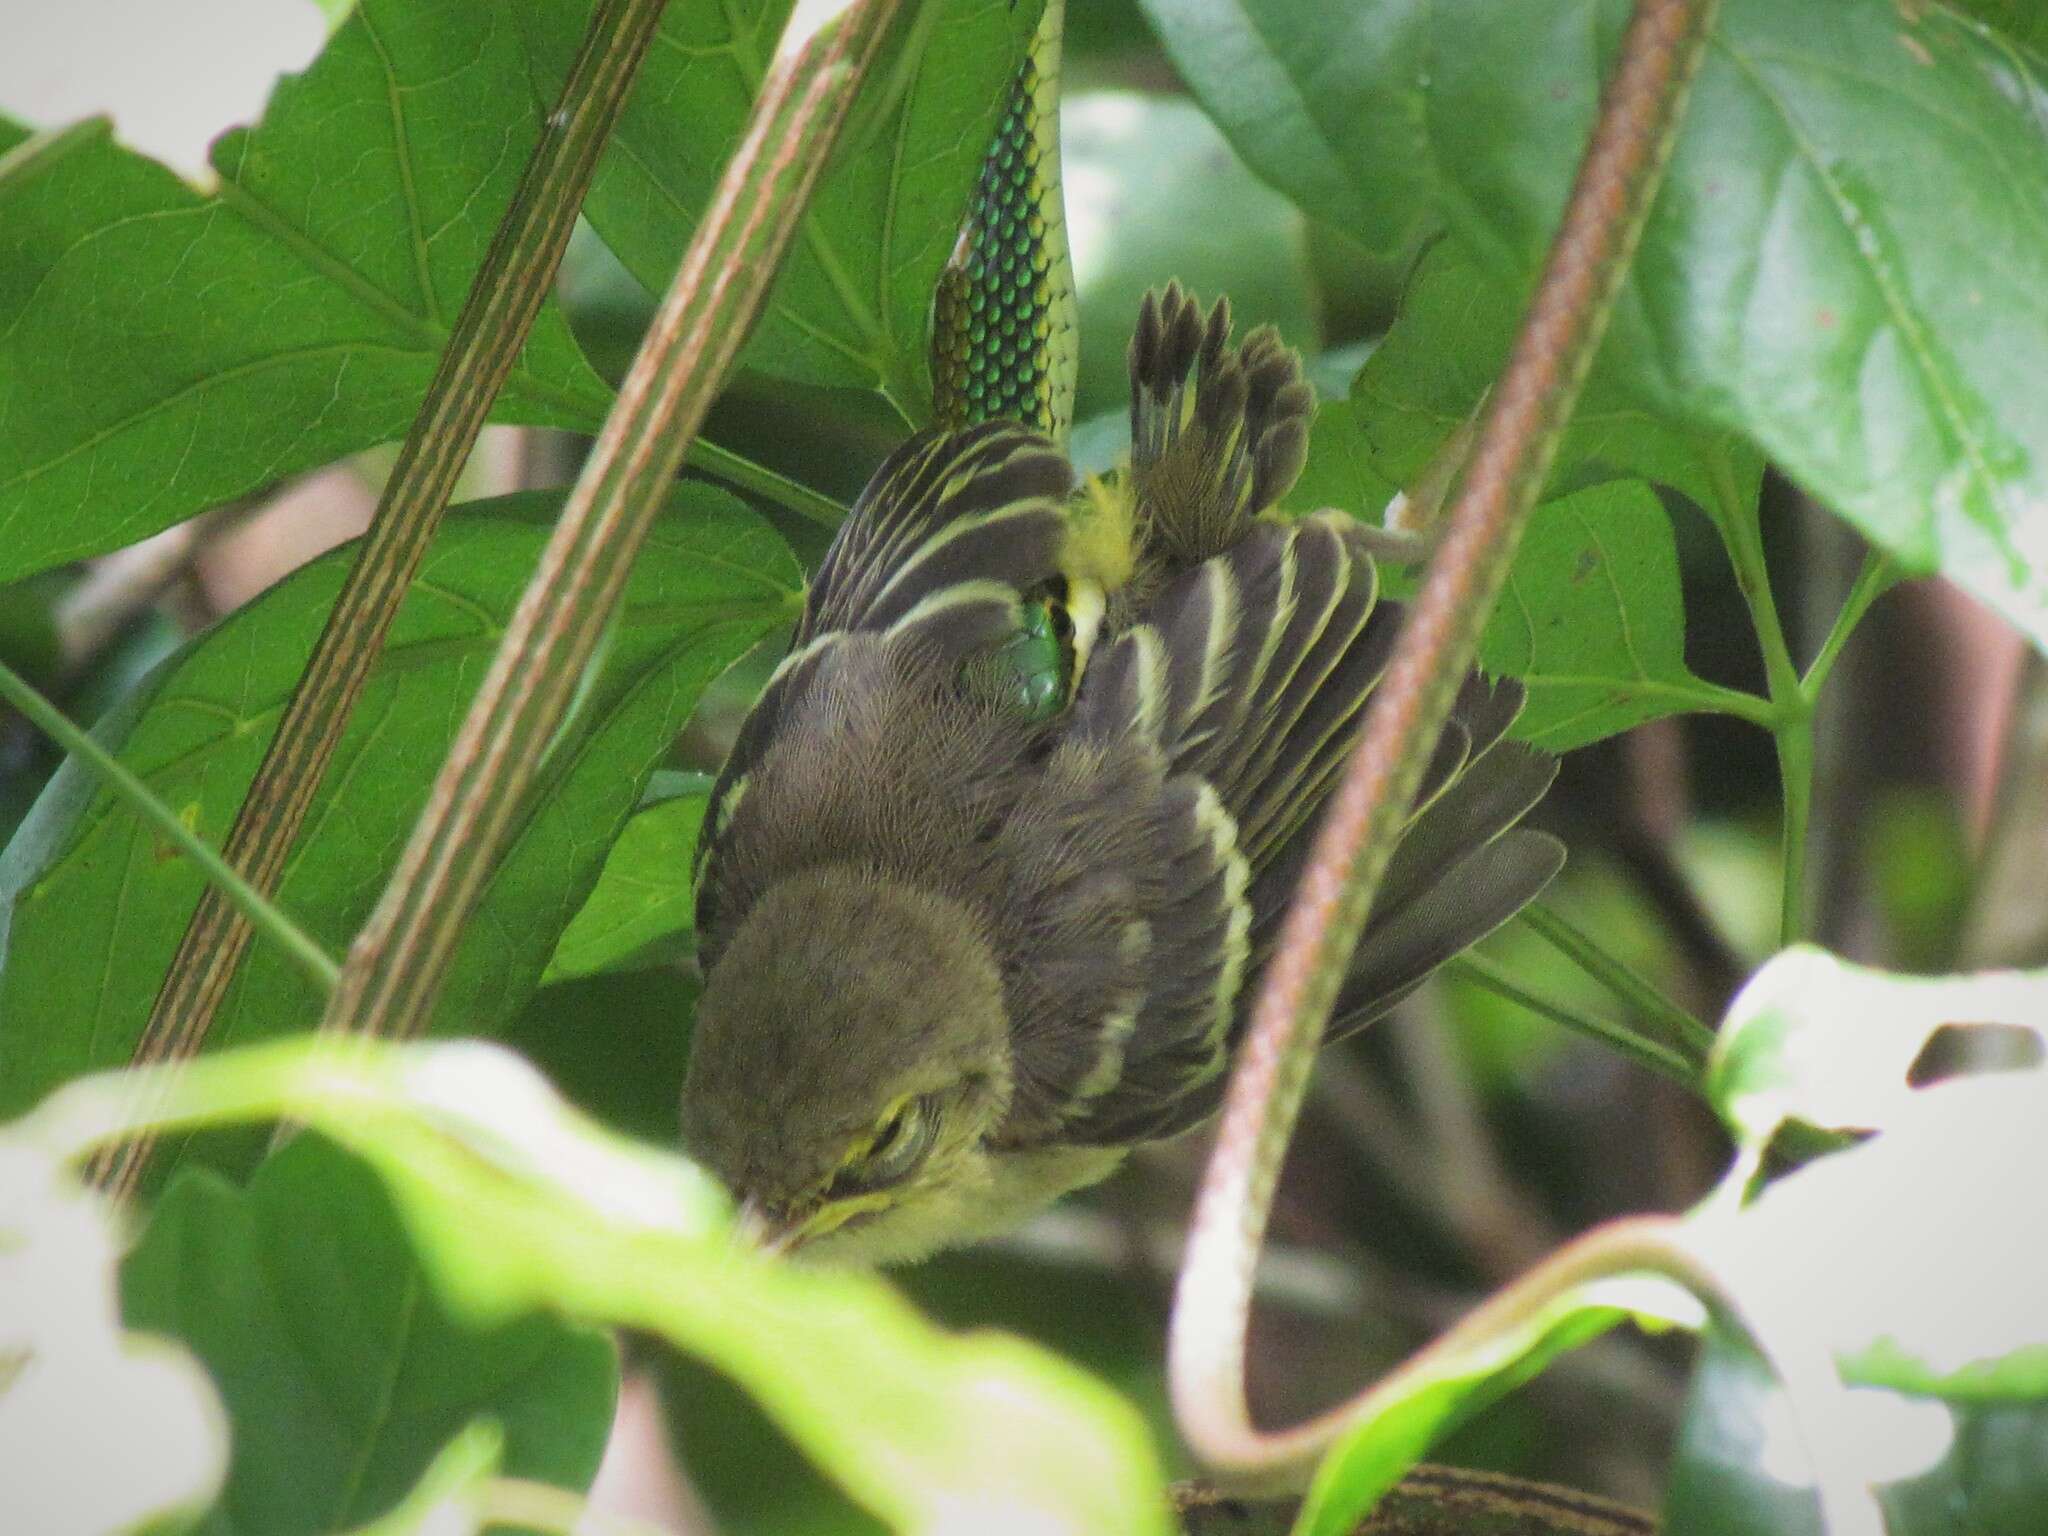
<point x="1102" y="533"/>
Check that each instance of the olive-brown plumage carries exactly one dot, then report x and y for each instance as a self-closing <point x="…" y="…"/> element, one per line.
<point x="962" y="951"/>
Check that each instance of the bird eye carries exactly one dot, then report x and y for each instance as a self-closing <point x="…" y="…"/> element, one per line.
<point x="899" y="1146"/>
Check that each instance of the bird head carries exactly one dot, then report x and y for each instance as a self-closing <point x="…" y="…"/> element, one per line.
<point x="851" y="1061"/>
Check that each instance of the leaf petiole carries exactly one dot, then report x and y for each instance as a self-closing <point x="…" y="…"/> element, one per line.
<point x="1879" y="575"/>
<point x="262" y="916"/>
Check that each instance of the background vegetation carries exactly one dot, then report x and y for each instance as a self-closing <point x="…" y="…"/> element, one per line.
<point x="1783" y="607"/>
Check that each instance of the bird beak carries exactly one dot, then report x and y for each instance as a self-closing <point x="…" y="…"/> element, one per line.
<point x="758" y="1229"/>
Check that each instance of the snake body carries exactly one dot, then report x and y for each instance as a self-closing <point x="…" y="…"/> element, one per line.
<point x="1005" y="343"/>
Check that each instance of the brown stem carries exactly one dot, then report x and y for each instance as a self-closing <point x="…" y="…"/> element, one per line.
<point x="395" y="968"/>
<point x="1517" y="440"/>
<point x="1431" y="1501"/>
<point x="514" y="279"/>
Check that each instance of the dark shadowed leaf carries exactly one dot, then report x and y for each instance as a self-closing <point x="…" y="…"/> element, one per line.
<point x="163" y="349"/>
<point x="92" y="903"/>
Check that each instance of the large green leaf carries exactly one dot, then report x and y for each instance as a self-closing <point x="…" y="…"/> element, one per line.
<point x="852" y="303"/>
<point x="1592" y="619"/>
<point x="92" y="904"/>
<point x="343" y="1372"/>
<point x="163" y="350"/>
<point x="516" y="1203"/>
<point x="1448" y="345"/>
<point x="101" y="1429"/>
<point x="1848" y="264"/>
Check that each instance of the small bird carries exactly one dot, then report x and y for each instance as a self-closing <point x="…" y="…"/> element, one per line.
<point x="990" y="876"/>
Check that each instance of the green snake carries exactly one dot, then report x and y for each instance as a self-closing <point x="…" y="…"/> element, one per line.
<point x="1005" y="343"/>
<point x="1005" y="337"/>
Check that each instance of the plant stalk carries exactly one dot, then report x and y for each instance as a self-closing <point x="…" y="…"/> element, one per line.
<point x="1791" y="704"/>
<point x="1681" y="1032"/>
<point x="511" y="284"/>
<point x="397" y="964"/>
<point x="1656" y="1055"/>
<point x="1518" y="436"/>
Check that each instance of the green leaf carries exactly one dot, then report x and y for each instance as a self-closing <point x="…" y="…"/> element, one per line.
<point x="1369" y="1460"/>
<point x="448" y="1499"/>
<point x="1145" y="176"/>
<point x="2020" y="20"/>
<point x="1848" y="263"/>
<point x="1592" y="620"/>
<point x="100" y="1429"/>
<point x="515" y="1203"/>
<point x="642" y="908"/>
<point x="29" y="642"/>
<point x="1340" y="471"/>
<point x="344" y="1373"/>
<point x="1447" y="346"/>
<point x="92" y="905"/>
<point x="851" y="306"/>
<point x="615" y="1045"/>
<point x="164" y="350"/>
<point x="1819" y="1040"/>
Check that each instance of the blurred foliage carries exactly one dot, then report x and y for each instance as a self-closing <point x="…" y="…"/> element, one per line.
<point x="343" y="1374"/>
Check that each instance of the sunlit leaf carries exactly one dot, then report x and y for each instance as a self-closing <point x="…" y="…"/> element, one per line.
<point x="515" y="1203"/>
<point x="164" y="349"/>
<point x="1818" y="1039"/>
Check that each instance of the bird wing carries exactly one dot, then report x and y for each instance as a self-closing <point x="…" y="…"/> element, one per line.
<point x="934" y="560"/>
<point x="945" y="509"/>
<point x="1249" y="674"/>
